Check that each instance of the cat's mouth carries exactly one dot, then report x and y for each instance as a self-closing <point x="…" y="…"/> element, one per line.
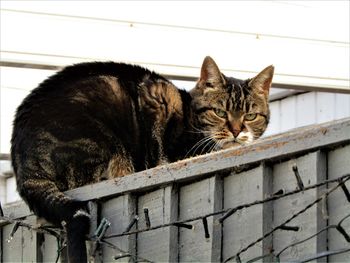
<point x="230" y="144"/>
<point x="227" y="140"/>
<point x="233" y="143"/>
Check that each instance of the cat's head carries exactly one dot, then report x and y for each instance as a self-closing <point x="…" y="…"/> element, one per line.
<point x="230" y="111"/>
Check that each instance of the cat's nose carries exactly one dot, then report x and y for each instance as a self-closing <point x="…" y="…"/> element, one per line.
<point x="235" y="128"/>
<point x="235" y="132"/>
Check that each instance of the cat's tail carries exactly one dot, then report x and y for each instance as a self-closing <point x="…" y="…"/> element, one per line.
<point x="77" y="230"/>
<point x="47" y="201"/>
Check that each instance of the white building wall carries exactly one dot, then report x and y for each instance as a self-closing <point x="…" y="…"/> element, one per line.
<point x="173" y="37"/>
<point x="307" y="109"/>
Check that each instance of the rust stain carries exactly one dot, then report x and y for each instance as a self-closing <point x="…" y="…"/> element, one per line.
<point x="255" y="148"/>
<point x="324" y="130"/>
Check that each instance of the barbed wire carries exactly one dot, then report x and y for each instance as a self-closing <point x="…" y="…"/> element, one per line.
<point x="102" y="239"/>
<point x="230" y="211"/>
<point x="43" y="229"/>
<point x="50" y="230"/>
<point x="120" y="253"/>
<point x="337" y="226"/>
<point x="325" y="195"/>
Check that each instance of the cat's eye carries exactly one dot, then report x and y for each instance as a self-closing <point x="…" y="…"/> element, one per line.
<point x="250" y="116"/>
<point x="220" y="113"/>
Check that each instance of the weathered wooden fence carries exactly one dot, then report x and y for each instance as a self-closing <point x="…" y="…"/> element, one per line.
<point x="283" y="198"/>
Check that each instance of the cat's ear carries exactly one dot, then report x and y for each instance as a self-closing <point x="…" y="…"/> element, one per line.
<point x="262" y="82"/>
<point x="210" y="72"/>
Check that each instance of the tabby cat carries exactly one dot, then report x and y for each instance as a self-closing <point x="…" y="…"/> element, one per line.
<point x="95" y="121"/>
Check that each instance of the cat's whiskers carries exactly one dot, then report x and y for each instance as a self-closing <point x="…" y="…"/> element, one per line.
<point x="215" y="147"/>
<point x="206" y="145"/>
<point x="197" y="145"/>
<point x="202" y="144"/>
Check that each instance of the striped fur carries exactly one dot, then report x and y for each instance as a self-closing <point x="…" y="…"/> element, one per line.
<point x="95" y="121"/>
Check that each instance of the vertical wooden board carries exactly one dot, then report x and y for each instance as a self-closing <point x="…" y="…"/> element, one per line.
<point x="49" y="248"/>
<point x="312" y="169"/>
<point x="13" y="249"/>
<point x="338" y="206"/>
<point x="249" y="224"/>
<point x="29" y="241"/>
<point x="288" y="113"/>
<point x="94" y="224"/>
<point x="119" y="211"/>
<point x="22" y="248"/>
<point x="2" y="188"/>
<point x="155" y="245"/>
<point x="198" y="199"/>
<point x="306" y="109"/>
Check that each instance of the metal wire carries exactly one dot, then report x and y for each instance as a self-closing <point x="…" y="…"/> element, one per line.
<point x="230" y="210"/>
<point x="58" y="233"/>
<point x="286" y="221"/>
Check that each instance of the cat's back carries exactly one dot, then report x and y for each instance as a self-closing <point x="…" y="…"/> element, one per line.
<point x="84" y="101"/>
<point x="85" y="88"/>
<point x="81" y="77"/>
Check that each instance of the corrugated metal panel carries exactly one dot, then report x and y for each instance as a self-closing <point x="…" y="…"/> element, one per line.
<point x="325" y="107"/>
<point x="307" y="109"/>
<point x="342" y="106"/>
<point x="288" y="113"/>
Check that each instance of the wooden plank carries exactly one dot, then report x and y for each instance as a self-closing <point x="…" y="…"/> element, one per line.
<point x="338" y="206"/>
<point x="29" y="241"/>
<point x="174" y="232"/>
<point x="47" y="246"/>
<point x="94" y="223"/>
<point x="158" y="245"/>
<point x="249" y="224"/>
<point x="22" y="248"/>
<point x="271" y="148"/>
<point x="198" y="199"/>
<point x="12" y="251"/>
<point x="216" y="233"/>
<point x="119" y="211"/>
<point x="16" y="210"/>
<point x="312" y="169"/>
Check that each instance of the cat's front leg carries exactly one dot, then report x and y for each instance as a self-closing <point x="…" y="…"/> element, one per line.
<point x="120" y="164"/>
<point x="159" y="101"/>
